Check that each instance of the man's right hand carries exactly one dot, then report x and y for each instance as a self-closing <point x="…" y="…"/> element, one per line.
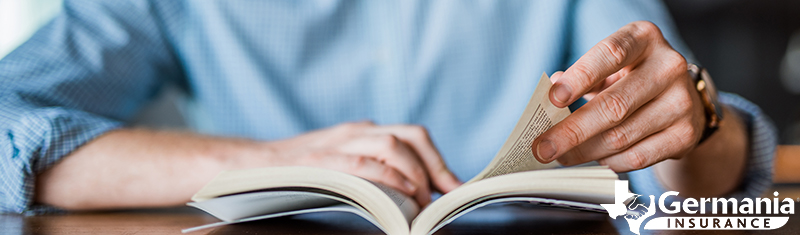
<point x="133" y="168"/>
<point x="400" y="156"/>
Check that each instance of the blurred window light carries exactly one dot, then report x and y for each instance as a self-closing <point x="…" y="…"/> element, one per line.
<point x="19" y="19"/>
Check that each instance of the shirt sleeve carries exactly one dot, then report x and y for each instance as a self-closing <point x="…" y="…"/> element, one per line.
<point x="83" y="74"/>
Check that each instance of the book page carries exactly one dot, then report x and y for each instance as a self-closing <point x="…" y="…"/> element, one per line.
<point x="333" y="208"/>
<point x="239" y="206"/>
<point x="380" y="205"/>
<point x="407" y="205"/>
<point x="593" y="185"/>
<point x="516" y="154"/>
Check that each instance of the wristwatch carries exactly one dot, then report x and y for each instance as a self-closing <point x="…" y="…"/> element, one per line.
<point x="708" y="95"/>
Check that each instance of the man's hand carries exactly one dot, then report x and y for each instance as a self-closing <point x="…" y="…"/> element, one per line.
<point x="643" y="107"/>
<point x="133" y="168"/>
<point x="401" y="156"/>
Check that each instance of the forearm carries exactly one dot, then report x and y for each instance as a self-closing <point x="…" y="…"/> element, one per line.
<point x="142" y="168"/>
<point x="716" y="167"/>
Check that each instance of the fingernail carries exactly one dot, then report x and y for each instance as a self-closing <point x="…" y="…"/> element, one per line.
<point x="545" y="150"/>
<point x="562" y="93"/>
<point x="409" y="186"/>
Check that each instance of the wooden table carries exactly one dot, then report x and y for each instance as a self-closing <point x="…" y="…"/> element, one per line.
<point x="502" y="219"/>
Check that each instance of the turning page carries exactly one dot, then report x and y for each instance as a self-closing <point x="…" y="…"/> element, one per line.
<point x="516" y="154"/>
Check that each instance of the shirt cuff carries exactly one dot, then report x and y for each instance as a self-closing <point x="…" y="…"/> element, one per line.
<point x="763" y="141"/>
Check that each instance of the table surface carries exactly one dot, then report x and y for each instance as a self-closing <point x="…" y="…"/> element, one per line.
<point x="500" y="219"/>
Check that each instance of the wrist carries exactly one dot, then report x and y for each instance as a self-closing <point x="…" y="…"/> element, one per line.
<point x="731" y="134"/>
<point x="233" y="154"/>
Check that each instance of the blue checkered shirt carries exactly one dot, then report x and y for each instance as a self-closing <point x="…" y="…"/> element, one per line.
<point x="269" y="70"/>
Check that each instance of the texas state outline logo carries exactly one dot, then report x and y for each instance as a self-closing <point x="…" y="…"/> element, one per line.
<point x="758" y="214"/>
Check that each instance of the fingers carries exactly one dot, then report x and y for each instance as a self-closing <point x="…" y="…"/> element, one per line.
<point x="609" y="109"/>
<point x="606" y="83"/>
<point x="407" y="148"/>
<point x="554" y="78"/>
<point x="369" y="168"/>
<point x="623" y="48"/>
<point x="640" y="94"/>
<point x="651" y="118"/>
<point x="419" y="140"/>
<point x="670" y="143"/>
<point x="394" y="153"/>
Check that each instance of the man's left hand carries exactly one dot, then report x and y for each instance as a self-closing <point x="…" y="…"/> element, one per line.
<point x="643" y="107"/>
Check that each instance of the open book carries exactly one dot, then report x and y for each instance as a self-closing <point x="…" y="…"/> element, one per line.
<point x="254" y="194"/>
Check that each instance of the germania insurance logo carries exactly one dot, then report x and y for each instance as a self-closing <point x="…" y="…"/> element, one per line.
<point x="755" y="212"/>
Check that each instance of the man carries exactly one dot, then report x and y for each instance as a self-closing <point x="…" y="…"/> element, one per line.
<point x="290" y="83"/>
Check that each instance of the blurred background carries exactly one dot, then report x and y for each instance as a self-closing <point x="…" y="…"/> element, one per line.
<point x="750" y="47"/>
<point x="20" y="18"/>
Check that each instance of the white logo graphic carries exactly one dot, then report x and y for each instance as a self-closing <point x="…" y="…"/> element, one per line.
<point x="756" y="211"/>
<point x="635" y="212"/>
